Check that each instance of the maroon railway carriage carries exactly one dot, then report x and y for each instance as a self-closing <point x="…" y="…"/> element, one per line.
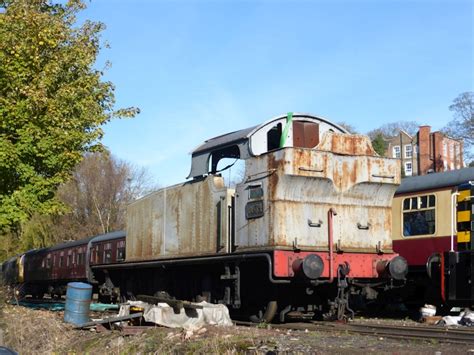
<point x="48" y="270"/>
<point x="106" y="249"/>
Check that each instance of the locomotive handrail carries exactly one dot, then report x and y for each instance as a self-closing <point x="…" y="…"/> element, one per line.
<point x="253" y="177"/>
<point x="302" y="168"/>
<point x="453" y="203"/>
<point x="383" y="176"/>
<point x="315" y="224"/>
<point x="363" y="227"/>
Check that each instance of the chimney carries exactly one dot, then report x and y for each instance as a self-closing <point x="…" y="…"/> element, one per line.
<point x="424" y="160"/>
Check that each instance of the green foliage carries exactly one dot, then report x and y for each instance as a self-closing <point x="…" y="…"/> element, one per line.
<point x="53" y="103"/>
<point x="379" y="144"/>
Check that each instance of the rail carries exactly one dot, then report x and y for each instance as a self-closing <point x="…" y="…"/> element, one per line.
<point x="441" y="334"/>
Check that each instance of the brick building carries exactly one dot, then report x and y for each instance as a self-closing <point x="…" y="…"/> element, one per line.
<point x="426" y="151"/>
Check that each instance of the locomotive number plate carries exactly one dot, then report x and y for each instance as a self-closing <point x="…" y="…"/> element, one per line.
<point x="254" y="209"/>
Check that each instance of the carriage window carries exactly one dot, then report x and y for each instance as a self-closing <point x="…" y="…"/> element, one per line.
<point x="120" y="250"/>
<point x="107" y="256"/>
<point x="419" y="215"/>
<point x="61" y="261"/>
<point x="120" y="253"/>
<point x="69" y="260"/>
<point x="80" y="258"/>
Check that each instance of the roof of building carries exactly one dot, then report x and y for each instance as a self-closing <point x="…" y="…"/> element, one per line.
<point x="436" y="180"/>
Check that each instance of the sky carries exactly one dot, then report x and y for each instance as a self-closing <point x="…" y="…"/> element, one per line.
<point x="198" y="69"/>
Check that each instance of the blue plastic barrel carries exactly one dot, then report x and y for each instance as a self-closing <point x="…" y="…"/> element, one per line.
<point x="78" y="300"/>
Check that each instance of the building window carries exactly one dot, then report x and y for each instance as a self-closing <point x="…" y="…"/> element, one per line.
<point x="408" y="151"/>
<point x="408" y="169"/>
<point x="415" y="149"/>
<point x="419" y="215"/>
<point x="445" y="149"/>
<point x="396" y="152"/>
<point x="451" y="151"/>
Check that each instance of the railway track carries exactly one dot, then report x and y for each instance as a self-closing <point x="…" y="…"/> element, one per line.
<point x="444" y="335"/>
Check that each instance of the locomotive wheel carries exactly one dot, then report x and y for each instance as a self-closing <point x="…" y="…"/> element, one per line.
<point x="268" y="315"/>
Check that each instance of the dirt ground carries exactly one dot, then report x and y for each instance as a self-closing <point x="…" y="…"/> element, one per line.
<point x="29" y="331"/>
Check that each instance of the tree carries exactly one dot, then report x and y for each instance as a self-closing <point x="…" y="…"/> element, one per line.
<point x="392" y="129"/>
<point x="379" y="144"/>
<point x="462" y="124"/>
<point x="98" y="194"/>
<point x="350" y="128"/>
<point x="52" y="103"/>
<point x="96" y="198"/>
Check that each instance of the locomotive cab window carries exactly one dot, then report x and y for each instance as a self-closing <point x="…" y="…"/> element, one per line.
<point x="274" y="137"/>
<point x="419" y="215"/>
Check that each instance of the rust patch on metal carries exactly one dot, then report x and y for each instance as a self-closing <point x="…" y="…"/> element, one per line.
<point x="346" y="144"/>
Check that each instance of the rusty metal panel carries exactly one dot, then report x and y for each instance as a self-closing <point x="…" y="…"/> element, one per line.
<point x="301" y="185"/>
<point x="178" y="221"/>
<point x="305" y="134"/>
